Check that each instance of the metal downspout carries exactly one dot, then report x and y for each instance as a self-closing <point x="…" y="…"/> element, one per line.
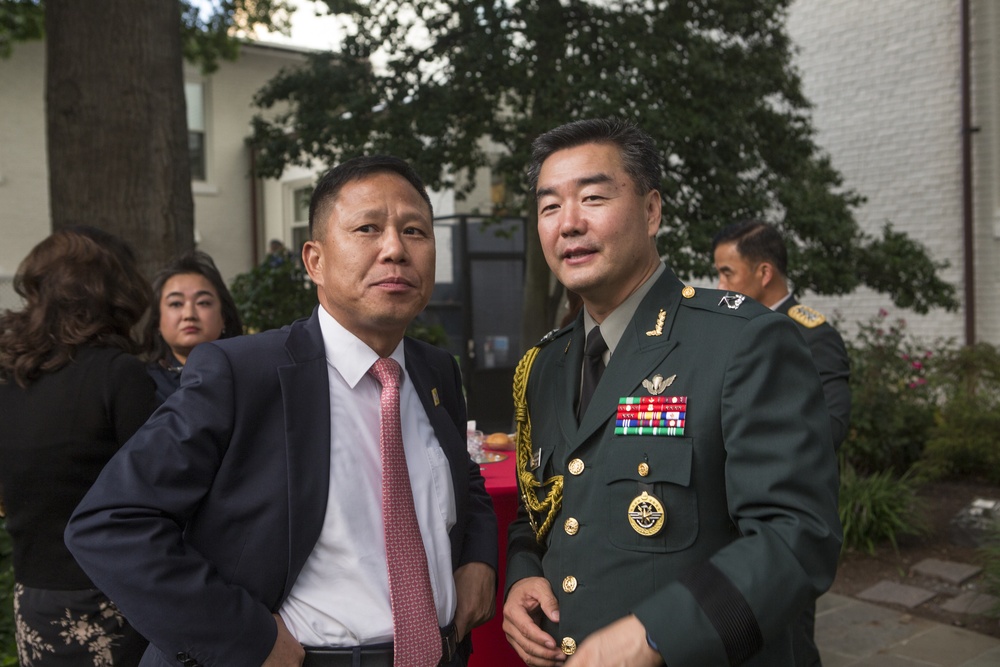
<point x="968" y="238"/>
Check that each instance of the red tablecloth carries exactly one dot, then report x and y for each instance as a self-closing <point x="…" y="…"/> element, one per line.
<point x="489" y="644"/>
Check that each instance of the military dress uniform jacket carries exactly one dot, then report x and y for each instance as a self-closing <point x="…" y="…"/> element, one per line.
<point x="749" y="533"/>
<point x="830" y="356"/>
<point x="200" y="525"/>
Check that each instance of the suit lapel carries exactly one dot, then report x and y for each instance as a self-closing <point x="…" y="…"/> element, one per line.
<point x="569" y="367"/>
<point x="305" y="395"/>
<point x="636" y="356"/>
<point x="428" y="384"/>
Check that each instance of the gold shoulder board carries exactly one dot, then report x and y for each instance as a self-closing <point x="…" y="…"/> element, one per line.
<point x="806" y="316"/>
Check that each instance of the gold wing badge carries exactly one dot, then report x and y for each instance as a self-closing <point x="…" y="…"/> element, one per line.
<point x="658" y="384"/>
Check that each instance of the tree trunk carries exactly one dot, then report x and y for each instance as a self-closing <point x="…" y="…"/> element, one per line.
<point x="538" y="308"/>
<point x="117" y="126"/>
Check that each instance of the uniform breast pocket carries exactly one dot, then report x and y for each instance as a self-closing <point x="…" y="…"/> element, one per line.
<point x="665" y="518"/>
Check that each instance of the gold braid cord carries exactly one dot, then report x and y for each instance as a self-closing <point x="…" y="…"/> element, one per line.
<point x="541" y="513"/>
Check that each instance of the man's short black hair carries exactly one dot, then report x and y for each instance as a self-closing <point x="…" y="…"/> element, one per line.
<point x="756" y="242"/>
<point x="638" y="152"/>
<point x="330" y="183"/>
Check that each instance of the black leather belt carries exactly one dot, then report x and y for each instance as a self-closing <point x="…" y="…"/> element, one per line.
<point x="378" y="655"/>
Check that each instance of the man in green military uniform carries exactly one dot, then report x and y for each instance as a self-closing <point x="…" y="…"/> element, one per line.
<point x="678" y="480"/>
<point x="751" y="258"/>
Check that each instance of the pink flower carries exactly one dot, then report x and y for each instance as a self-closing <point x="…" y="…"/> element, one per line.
<point x="882" y="312"/>
<point x="917" y="365"/>
<point x="906" y="357"/>
<point x="928" y="354"/>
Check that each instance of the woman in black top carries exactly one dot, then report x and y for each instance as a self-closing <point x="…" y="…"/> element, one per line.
<point x="191" y="305"/>
<point x="70" y="396"/>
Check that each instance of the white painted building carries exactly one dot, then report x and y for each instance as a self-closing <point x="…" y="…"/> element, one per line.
<point x="229" y="222"/>
<point x="235" y="215"/>
<point x="885" y="80"/>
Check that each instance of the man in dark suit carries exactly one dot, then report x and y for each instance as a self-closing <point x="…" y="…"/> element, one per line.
<point x="752" y="259"/>
<point x="679" y="486"/>
<point x="245" y="520"/>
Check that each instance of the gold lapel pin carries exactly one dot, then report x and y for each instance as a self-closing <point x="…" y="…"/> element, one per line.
<point x="434" y="395"/>
<point x="658" y="329"/>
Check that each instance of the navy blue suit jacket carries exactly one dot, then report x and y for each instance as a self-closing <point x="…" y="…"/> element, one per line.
<point x="200" y="525"/>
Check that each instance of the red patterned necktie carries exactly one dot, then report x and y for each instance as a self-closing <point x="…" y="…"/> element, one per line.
<point x="416" y="638"/>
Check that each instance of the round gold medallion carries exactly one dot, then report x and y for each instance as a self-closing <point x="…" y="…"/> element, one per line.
<point x="571" y="526"/>
<point x="646" y="515"/>
<point x="687" y="292"/>
<point x="568" y="645"/>
<point x="576" y="466"/>
<point x="643" y="469"/>
<point x="569" y="584"/>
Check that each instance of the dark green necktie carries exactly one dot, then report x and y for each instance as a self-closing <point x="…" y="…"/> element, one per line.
<point x="593" y="368"/>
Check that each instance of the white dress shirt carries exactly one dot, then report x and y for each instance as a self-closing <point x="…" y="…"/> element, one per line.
<point x="341" y="597"/>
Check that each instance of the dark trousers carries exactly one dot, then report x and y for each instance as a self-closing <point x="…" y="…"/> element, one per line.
<point x="803" y="642"/>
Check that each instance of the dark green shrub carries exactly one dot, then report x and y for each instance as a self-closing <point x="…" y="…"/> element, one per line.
<point x="8" y="648"/>
<point x="963" y="442"/>
<point x="892" y="407"/>
<point x="990" y="557"/>
<point x="878" y="508"/>
<point x="272" y="295"/>
<point x="429" y="333"/>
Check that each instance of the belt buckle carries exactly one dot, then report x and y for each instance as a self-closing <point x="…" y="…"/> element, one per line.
<point x="449" y="644"/>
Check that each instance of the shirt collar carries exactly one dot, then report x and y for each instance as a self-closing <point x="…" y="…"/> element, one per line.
<point x="347" y="353"/>
<point x="614" y="325"/>
<point x="775" y="306"/>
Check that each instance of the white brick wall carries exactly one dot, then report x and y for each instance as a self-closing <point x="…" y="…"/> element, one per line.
<point x="884" y="78"/>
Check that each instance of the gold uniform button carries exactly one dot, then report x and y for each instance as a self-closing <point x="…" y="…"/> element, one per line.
<point x="569" y="584"/>
<point x="576" y="466"/>
<point x="568" y="645"/>
<point x="571" y="526"/>
<point x="687" y="292"/>
<point x="643" y="469"/>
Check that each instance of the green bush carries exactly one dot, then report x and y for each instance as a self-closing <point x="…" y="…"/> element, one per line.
<point x="8" y="648"/>
<point x="272" y="295"/>
<point x="990" y="557"/>
<point x="878" y="508"/>
<point x="963" y="442"/>
<point x="892" y="406"/>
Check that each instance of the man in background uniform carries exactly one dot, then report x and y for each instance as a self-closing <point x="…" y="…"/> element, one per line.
<point x="751" y="258"/>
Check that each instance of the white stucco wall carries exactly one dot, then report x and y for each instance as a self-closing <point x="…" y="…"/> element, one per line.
<point x="222" y="202"/>
<point x="24" y="195"/>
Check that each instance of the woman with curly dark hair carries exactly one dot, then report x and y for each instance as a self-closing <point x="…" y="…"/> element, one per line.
<point x="71" y="394"/>
<point x="191" y="305"/>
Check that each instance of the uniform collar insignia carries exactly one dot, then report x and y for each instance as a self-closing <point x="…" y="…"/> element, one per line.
<point x="658" y="329"/>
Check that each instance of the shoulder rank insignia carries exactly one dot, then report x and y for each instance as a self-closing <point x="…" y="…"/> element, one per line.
<point x="806" y="316"/>
<point x="732" y="301"/>
<point x="548" y="337"/>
